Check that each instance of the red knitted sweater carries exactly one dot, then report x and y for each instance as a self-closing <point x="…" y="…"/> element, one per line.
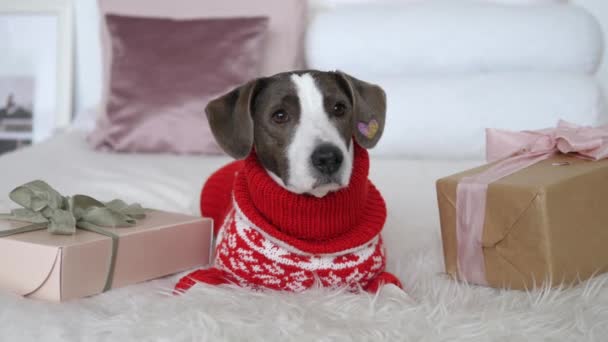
<point x="273" y="238"/>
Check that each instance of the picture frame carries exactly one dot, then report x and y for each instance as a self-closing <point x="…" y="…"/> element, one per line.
<point x="39" y="44"/>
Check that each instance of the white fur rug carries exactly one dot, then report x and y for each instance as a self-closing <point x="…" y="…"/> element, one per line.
<point x="438" y="309"/>
<point x="441" y="310"/>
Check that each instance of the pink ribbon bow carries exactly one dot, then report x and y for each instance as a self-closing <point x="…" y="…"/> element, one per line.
<point x="517" y="150"/>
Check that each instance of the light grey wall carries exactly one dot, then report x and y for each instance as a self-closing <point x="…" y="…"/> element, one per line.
<point x="88" y="55"/>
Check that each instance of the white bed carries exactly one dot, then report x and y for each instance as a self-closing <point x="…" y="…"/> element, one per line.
<point x="438" y="309"/>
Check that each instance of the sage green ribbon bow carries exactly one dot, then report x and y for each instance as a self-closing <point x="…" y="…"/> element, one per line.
<point x="45" y="208"/>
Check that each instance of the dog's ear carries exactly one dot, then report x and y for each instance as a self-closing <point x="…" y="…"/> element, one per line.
<point x="369" y="108"/>
<point x="231" y="122"/>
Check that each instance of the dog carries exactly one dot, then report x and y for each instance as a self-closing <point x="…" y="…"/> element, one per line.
<point x="299" y="210"/>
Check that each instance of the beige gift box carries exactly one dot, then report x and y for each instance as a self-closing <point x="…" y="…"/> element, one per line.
<point x="544" y="225"/>
<point x="62" y="267"/>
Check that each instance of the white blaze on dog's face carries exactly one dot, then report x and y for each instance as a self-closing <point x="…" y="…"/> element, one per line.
<point x="319" y="159"/>
<point x="301" y="125"/>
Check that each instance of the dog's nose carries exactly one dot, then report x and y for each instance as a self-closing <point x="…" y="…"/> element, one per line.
<point x="327" y="159"/>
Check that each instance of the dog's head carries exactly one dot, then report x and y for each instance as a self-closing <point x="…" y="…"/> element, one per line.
<point x="301" y="125"/>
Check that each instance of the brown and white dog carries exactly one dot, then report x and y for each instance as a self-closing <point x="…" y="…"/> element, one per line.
<point x="299" y="209"/>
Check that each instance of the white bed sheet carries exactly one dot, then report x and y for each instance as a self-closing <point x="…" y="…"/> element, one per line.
<point x="173" y="183"/>
<point x="442" y="310"/>
<point x="67" y="163"/>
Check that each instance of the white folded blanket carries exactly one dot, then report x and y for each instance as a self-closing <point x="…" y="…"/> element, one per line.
<point x="446" y="117"/>
<point x="454" y="37"/>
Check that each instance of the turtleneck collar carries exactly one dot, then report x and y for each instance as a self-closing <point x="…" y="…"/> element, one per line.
<point x="340" y="220"/>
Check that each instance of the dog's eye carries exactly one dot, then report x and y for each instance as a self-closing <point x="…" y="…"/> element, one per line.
<point x="280" y="117"/>
<point x="339" y="109"/>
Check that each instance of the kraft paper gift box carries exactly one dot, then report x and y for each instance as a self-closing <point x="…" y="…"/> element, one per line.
<point x="545" y="216"/>
<point x="38" y="264"/>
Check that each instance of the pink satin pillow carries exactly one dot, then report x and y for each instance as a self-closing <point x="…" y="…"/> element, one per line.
<point x="162" y="74"/>
<point x="287" y="23"/>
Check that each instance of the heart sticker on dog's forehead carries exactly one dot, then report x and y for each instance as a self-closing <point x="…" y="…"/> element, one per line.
<point x="368" y="129"/>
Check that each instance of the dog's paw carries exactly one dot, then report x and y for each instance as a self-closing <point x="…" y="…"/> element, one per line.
<point x="384" y="278"/>
<point x="393" y="292"/>
<point x="211" y="276"/>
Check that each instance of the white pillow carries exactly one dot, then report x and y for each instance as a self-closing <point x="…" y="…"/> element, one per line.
<point x="439" y="37"/>
<point x="445" y="117"/>
<point x="508" y="2"/>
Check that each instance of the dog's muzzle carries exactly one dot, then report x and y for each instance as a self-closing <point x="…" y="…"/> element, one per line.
<point x="327" y="159"/>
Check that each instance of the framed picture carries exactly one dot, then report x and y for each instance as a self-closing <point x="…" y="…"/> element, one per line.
<point x="36" y="70"/>
<point x="16" y="108"/>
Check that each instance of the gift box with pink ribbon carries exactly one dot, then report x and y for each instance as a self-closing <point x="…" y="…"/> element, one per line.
<point x="536" y="215"/>
<point x="59" y="247"/>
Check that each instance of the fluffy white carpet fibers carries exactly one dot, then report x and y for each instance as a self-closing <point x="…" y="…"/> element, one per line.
<point x="441" y="310"/>
<point x="438" y="309"/>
